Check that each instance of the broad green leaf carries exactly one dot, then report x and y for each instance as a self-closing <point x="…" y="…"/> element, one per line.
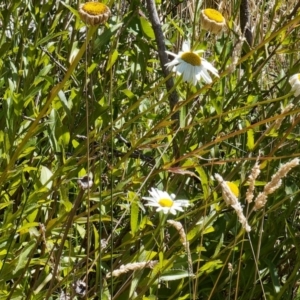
<point x="274" y="275"/>
<point x="147" y="28"/>
<point x="24" y="256"/>
<point x="45" y="70"/>
<point x="92" y="67"/>
<point x="80" y="230"/>
<point x="27" y="226"/>
<point x="211" y="266"/>
<point x="45" y="177"/>
<point x="192" y="233"/>
<point x="208" y="230"/>
<point x="64" y="138"/>
<point x="65" y="103"/>
<point x="112" y="59"/>
<point x="27" y="151"/>
<point x="170" y="275"/>
<point x="5" y="204"/>
<point x="250" y="137"/>
<point x="3" y="252"/>
<point x="128" y="93"/>
<point x="68" y="205"/>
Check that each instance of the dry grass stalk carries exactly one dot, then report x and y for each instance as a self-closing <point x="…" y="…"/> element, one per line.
<point x="236" y="54"/>
<point x="232" y="200"/>
<point x="275" y="183"/>
<point x="178" y="226"/>
<point x="225" y="8"/>
<point x="283" y="111"/>
<point x="132" y="267"/>
<point x="251" y="179"/>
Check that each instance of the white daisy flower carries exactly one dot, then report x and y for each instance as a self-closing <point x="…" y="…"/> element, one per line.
<point x="191" y="66"/>
<point x="165" y="202"/>
<point x="295" y="83"/>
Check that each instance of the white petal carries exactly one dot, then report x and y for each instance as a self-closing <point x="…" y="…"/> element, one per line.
<point x="182" y="67"/>
<point x="172" y="63"/>
<point x="173" y="211"/>
<point x="293" y="79"/>
<point x="206" y="76"/>
<point x="297" y="93"/>
<point x="209" y="67"/>
<point x="296" y="85"/>
<point x="186" y="46"/>
<point x="171" y="53"/>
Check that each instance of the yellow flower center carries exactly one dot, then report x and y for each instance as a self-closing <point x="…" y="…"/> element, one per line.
<point x="234" y="188"/>
<point x="298" y="76"/>
<point x="214" y="15"/>
<point x="191" y="58"/>
<point x="94" y="8"/>
<point x="165" y="202"/>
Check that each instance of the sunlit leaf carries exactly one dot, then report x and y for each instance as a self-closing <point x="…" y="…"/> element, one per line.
<point x="112" y="59"/>
<point x="147" y="28"/>
<point x="170" y="275"/>
<point x="45" y="177"/>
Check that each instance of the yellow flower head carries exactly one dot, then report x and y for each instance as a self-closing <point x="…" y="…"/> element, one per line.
<point x="94" y="13"/>
<point x="234" y="188"/>
<point x="212" y="20"/>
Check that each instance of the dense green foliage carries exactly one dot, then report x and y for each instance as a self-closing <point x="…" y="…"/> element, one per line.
<point x="78" y="100"/>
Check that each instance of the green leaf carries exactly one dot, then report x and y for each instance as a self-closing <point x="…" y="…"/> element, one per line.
<point x="27" y="226"/>
<point x="23" y="257"/>
<point x="64" y="138"/>
<point x="45" y="70"/>
<point x="211" y="266"/>
<point x="134" y="212"/>
<point x="45" y="176"/>
<point x="112" y="59"/>
<point x="204" y="180"/>
<point x="170" y="275"/>
<point x="65" y="103"/>
<point x="92" y="67"/>
<point x="51" y="37"/>
<point x="274" y="275"/>
<point x="250" y="138"/>
<point x="220" y="245"/>
<point x="80" y="229"/>
<point x="128" y="94"/>
<point x="5" y="204"/>
<point x="147" y="28"/>
<point x="208" y="229"/>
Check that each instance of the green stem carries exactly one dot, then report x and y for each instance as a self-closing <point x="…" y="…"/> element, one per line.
<point x="162" y="221"/>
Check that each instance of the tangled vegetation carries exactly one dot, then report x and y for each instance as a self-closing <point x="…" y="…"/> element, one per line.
<point x="97" y="134"/>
